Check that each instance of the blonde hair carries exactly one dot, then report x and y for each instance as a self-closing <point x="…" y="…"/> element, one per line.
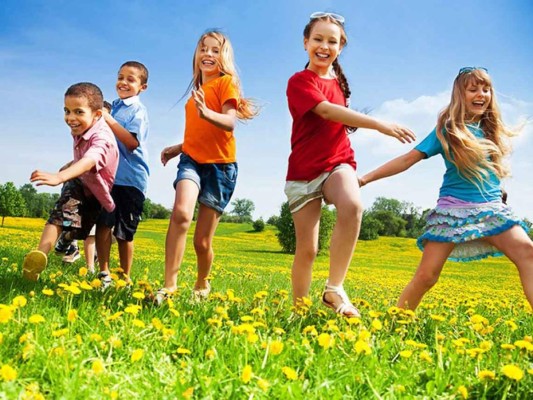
<point x="472" y="156"/>
<point x="246" y="108"/>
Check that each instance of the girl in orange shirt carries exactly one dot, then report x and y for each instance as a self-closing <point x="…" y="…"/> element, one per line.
<point x="207" y="170"/>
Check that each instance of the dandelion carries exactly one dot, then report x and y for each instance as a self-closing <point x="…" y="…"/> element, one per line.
<point x="95" y="337"/>
<point x="98" y="367"/>
<point x="486" y="375"/>
<point x="85" y="286"/>
<point x="6" y="313"/>
<point x="19" y="301"/>
<point x="187" y="394"/>
<point x="513" y="372"/>
<point x="115" y="342"/>
<point x="278" y="331"/>
<point x="362" y="347"/>
<point x="137" y="355"/>
<point x="246" y="374"/>
<point x="252" y="338"/>
<point x="210" y="353"/>
<point x="36" y="319"/>
<point x="182" y="350"/>
<point x="376" y="325"/>
<point x="138" y="323"/>
<point x="425" y="356"/>
<point x="157" y="324"/>
<point x="261" y="295"/>
<point x="325" y="340"/>
<point x="406" y="353"/>
<point x="133" y="309"/>
<point x="275" y="347"/>
<point x="311" y="330"/>
<point x="507" y="346"/>
<point x="83" y="271"/>
<point x="289" y="373"/>
<point x="138" y="295"/>
<point x="463" y="392"/>
<point x="8" y="373"/>
<point x="524" y="345"/>
<point x="74" y="289"/>
<point x="50" y="292"/>
<point x="72" y="315"/>
<point x="263" y="384"/>
<point x="115" y="316"/>
<point x="1" y="337"/>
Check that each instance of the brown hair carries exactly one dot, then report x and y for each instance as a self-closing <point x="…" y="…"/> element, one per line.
<point x="90" y="91"/>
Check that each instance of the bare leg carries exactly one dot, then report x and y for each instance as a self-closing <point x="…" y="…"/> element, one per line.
<point x="103" y="246"/>
<point x="49" y="237"/>
<point x="518" y="247"/>
<point x="306" y="224"/>
<point x="206" y="226"/>
<point x="426" y="275"/>
<point x="89" y="249"/>
<point x="125" y="254"/>
<point x="180" y="221"/>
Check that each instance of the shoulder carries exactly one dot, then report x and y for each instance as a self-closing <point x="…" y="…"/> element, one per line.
<point x="302" y="76"/>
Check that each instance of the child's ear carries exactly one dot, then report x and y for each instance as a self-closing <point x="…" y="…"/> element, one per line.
<point x="98" y="113"/>
<point x="144" y="86"/>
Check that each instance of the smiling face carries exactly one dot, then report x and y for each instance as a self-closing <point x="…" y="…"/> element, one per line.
<point x="323" y="46"/>
<point x="207" y="58"/>
<point x="477" y="99"/>
<point x="78" y="114"/>
<point x="129" y="82"/>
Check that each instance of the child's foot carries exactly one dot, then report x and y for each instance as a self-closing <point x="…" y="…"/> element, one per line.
<point x="91" y="270"/>
<point x="105" y="278"/>
<point x="34" y="263"/>
<point x="336" y="298"/>
<point x="62" y="243"/>
<point x="159" y="298"/>
<point x="202" y="294"/>
<point x="72" y="254"/>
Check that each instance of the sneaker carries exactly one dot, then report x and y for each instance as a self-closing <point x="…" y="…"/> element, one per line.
<point x="72" y="254"/>
<point x="62" y="244"/>
<point x="202" y="294"/>
<point x="34" y="263"/>
<point x="105" y="278"/>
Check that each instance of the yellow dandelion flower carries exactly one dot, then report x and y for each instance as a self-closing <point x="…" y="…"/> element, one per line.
<point x="512" y="325"/>
<point x="261" y="294"/>
<point x="182" y="350"/>
<point x="8" y="373"/>
<point x="115" y="342"/>
<point x="263" y="384"/>
<point x="85" y="286"/>
<point x="393" y="310"/>
<point x="289" y="373"/>
<point x="507" y="346"/>
<point x="6" y="313"/>
<point x="72" y="315"/>
<point x="19" y="301"/>
<point x="210" y="353"/>
<point x="252" y="338"/>
<point x="275" y="347"/>
<point x="48" y="292"/>
<point x="463" y="392"/>
<point x="513" y="372"/>
<point x="60" y="332"/>
<point x="325" y="340"/>
<point x="364" y="335"/>
<point x="138" y="323"/>
<point x="425" y="356"/>
<point x="406" y="353"/>
<point x="138" y="295"/>
<point x="376" y="325"/>
<point x="311" y="330"/>
<point x="353" y="321"/>
<point x="137" y="355"/>
<point x="157" y="324"/>
<point x="246" y="374"/>
<point x="36" y="319"/>
<point x="278" y="331"/>
<point x="187" y="394"/>
<point x="96" y="283"/>
<point x="486" y="375"/>
<point x="1" y="337"/>
<point x="83" y="271"/>
<point x="524" y="345"/>
<point x="98" y="366"/>
<point x="174" y="312"/>
<point x="115" y="316"/>
<point x="73" y="289"/>
<point x="95" y="337"/>
<point x="133" y="309"/>
<point x="438" y="318"/>
<point x="529" y="371"/>
<point x="362" y="346"/>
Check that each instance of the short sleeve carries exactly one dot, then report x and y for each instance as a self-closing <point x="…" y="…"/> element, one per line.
<point x="228" y="91"/>
<point x="431" y="145"/>
<point x="100" y="150"/>
<point x="303" y="94"/>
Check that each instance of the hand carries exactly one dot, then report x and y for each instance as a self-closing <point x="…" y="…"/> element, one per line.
<point x="403" y="134"/>
<point x="362" y="181"/>
<point x="45" y="178"/>
<point x="169" y="153"/>
<point x="199" y="101"/>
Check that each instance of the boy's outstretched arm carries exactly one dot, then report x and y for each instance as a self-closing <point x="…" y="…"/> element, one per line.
<point x="73" y="171"/>
<point x="126" y="137"/>
<point x="393" y="167"/>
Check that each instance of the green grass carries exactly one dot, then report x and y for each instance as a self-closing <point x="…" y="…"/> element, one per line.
<point x="201" y="350"/>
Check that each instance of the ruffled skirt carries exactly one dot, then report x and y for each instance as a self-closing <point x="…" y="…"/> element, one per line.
<point x="466" y="224"/>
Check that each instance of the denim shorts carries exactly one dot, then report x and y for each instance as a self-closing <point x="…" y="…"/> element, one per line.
<point x="216" y="182"/>
<point x="125" y="218"/>
<point x="74" y="211"/>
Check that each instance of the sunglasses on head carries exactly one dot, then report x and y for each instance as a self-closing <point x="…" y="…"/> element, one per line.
<point x="320" y="14"/>
<point x="465" y="70"/>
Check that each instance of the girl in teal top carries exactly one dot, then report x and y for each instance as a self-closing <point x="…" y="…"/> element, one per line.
<point x="470" y="220"/>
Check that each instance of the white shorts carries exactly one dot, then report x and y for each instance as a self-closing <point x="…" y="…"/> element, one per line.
<point x="299" y="193"/>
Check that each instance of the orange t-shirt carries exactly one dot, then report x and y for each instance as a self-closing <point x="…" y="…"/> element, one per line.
<point x="203" y="141"/>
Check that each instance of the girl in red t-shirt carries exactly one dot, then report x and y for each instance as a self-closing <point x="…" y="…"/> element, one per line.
<point x="321" y="163"/>
<point x="207" y="170"/>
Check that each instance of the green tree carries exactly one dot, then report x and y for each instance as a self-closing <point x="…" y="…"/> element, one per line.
<point x="370" y="227"/>
<point x="259" y="225"/>
<point x="11" y="201"/>
<point x="243" y="208"/>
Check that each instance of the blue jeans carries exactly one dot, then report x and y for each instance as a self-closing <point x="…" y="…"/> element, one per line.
<point x="216" y="182"/>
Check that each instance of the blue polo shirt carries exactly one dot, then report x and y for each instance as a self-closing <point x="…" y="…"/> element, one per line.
<point x="133" y="165"/>
<point x="456" y="185"/>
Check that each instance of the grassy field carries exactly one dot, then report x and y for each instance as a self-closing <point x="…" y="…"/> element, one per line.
<point x="63" y="338"/>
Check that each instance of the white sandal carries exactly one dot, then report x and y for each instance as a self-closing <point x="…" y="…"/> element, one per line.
<point x="345" y="308"/>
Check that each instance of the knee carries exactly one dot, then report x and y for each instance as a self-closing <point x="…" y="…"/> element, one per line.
<point x="181" y="218"/>
<point x="426" y="279"/>
<point x="202" y="245"/>
<point x="350" y="210"/>
<point x="307" y="254"/>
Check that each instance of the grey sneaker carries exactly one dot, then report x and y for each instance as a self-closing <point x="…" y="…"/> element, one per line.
<point x="62" y="244"/>
<point x="105" y="278"/>
<point x="72" y="254"/>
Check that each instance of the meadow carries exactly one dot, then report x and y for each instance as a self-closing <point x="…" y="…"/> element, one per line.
<point x="64" y="338"/>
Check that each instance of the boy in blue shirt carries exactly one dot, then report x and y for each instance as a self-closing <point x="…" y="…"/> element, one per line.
<point x="128" y="120"/>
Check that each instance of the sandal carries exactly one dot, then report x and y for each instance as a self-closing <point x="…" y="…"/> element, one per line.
<point x="202" y="294"/>
<point x="345" y="308"/>
<point x="159" y="297"/>
<point x="34" y="263"/>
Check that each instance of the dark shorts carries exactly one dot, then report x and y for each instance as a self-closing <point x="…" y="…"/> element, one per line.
<point x="125" y="218"/>
<point x="215" y="181"/>
<point x="75" y="211"/>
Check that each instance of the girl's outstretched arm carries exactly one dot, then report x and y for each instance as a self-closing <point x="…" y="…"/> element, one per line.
<point x="168" y="153"/>
<point x="393" y="167"/>
<point x="225" y="120"/>
<point x="349" y="117"/>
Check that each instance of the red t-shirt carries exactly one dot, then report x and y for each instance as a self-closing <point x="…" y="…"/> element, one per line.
<point x="317" y="145"/>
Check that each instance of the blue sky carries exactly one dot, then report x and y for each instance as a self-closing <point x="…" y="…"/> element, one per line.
<point x="401" y="59"/>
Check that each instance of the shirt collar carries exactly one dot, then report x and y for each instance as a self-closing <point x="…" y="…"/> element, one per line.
<point x="95" y="128"/>
<point x="130" y="100"/>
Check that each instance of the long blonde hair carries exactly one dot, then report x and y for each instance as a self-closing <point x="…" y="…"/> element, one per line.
<point x="246" y="108"/>
<point x="472" y="156"/>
